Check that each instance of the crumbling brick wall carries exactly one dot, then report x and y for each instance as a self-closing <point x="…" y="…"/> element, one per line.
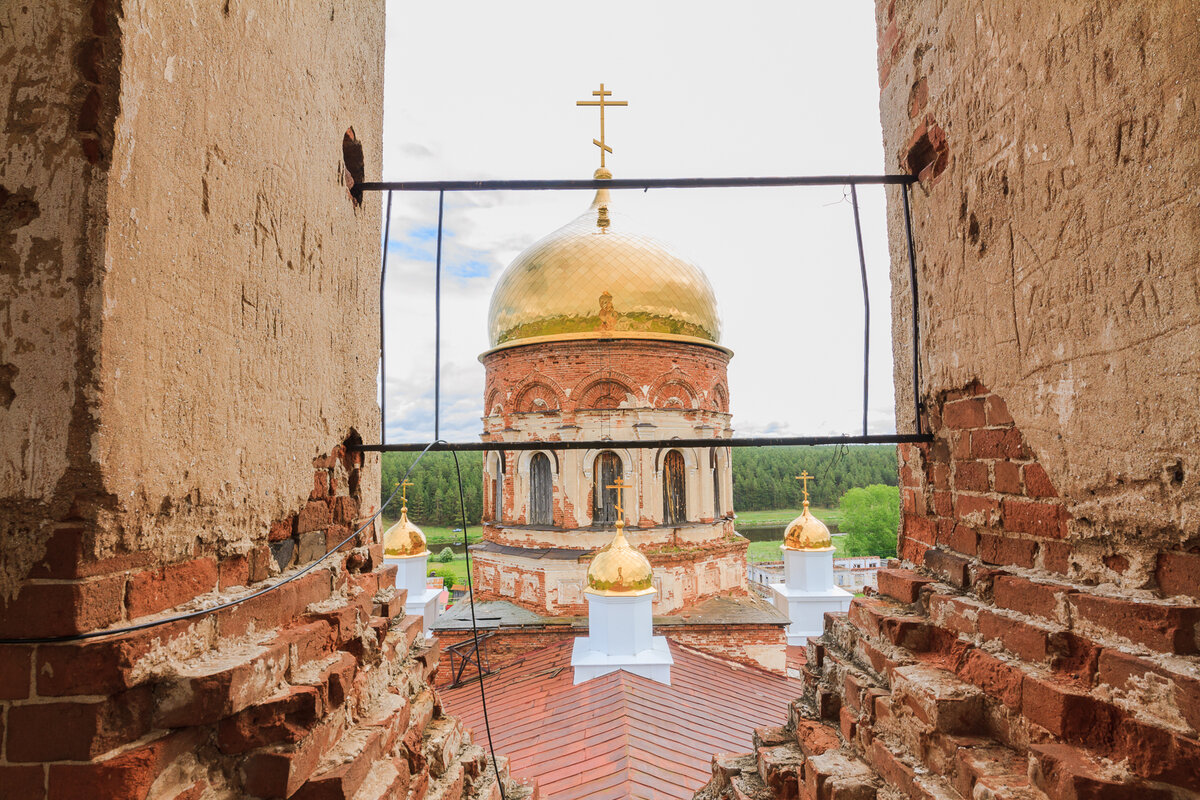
<point x="1039" y="635"/>
<point x="189" y="285"/>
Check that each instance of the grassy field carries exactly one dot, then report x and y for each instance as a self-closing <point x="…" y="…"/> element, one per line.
<point x="751" y="519"/>
<point x="457" y="569"/>
<point x="435" y="535"/>
<point x="769" y="551"/>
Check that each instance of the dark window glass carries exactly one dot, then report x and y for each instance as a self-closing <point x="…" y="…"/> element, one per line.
<point x="541" y="491"/>
<point x="716" y="473"/>
<point x="674" y="505"/>
<point x="604" y="500"/>
<point x="498" y="490"/>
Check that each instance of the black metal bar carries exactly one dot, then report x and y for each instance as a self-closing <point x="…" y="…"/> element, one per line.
<point x="862" y="265"/>
<point x="387" y="229"/>
<point x="916" y="317"/>
<point x="633" y="183"/>
<point x="761" y="441"/>
<point x="437" y="324"/>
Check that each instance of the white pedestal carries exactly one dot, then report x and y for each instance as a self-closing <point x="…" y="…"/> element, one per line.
<point x="410" y="575"/>
<point x="621" y="636"/>
<point x="808" y="592"/>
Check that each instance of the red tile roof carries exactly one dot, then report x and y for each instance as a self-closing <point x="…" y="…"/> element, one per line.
<point x="620" y="735"/>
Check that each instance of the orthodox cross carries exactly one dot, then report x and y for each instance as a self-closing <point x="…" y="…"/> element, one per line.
<point x="603" y="104"/>
<point x="620" y="486"/>
<point x="805" y="477"/>
<point x="404" y="492"/>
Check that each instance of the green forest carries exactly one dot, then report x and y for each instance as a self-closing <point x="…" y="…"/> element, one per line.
<point x="764" y="478"/>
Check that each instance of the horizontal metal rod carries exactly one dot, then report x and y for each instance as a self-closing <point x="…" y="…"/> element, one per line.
<point x="633" y="183"/>
<point x="600" y="444"/>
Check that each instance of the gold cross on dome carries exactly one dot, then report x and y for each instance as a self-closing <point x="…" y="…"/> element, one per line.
<point x="603" y="104"/>
<point x="805" y="477"/>
<point x="620" y="486"/>
<point x="404" y="491"/>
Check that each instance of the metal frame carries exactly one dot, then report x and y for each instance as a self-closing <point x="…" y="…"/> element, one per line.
<point x="441" y="187"/>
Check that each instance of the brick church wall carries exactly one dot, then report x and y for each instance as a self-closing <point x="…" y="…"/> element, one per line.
<point x="1038" y="636"/>
<point x="192" y="293"/>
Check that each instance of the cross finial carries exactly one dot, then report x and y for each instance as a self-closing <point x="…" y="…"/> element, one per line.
<point x="620" y="486"/>
<point x="603" y="104"/>
<point x="404" y="493"/>
<point x="805" y="478"/>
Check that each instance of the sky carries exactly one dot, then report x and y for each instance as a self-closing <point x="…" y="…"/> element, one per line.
<point x="485" y="90"/>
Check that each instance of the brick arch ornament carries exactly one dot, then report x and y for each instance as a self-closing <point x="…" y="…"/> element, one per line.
<point x="603" y="390"/>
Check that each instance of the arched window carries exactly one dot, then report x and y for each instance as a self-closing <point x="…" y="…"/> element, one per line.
<point x="674" y="486"/>
<point x="541" y="491"/>
<point x="498" y="489"/>
<point x="604" y="500"/>
<point x="716" y="476"/>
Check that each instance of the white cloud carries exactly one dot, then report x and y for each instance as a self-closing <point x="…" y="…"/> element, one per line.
<point x="475" y="90"/>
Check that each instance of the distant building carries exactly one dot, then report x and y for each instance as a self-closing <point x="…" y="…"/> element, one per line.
<point x="857" y="573"/>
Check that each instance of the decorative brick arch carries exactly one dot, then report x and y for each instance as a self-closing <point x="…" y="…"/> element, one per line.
<point x="538" y="394"/>
<point x="605" y="389"/>
<point x="673" y="390"/>
<point x="493" y="407"/>
<point x="719" y="398"/>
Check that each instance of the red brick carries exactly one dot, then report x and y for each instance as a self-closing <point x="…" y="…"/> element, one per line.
<point x="156" y="590"/>
<point x="345" y="510"/>
<point x="998" y="678"/>
<point x="25" y="782"/>
<point x="963" y="414"/>
<point x="234" y="571"/>
<point x="997" y="411"/>
<point x="1129" y="675"/>
<point x="314" y="516"/>
<point x="1157" y="754"/>
<point x="909" y="503"/>
<point x="943" y="504"/>
<point x="67" y="556"/>
<point x="282" y="529"/>
<point x="15" y="666"/>
<point x="939" y="476"/>
<point x="1067" y="711"/>
<point x="259" y="563"/>
<point x="213" y="691"/>
<point x="1178" y="573"/>
<point x="955" y="613"/>
<point x="1020" y="638"/>
<point x="77" y="731"/>
<point x="976" y="510"/>
<point x="1002" y="549"/>
<point x="911" y="550"/>
<point x="1166" y="628"/>
<point x="902" y="584"/>
<point x="971" y="476"/>
<point x="1063" y="771"/>
<point x="282" y="719"/>
<point x="815" y="738"/>
<point x="1035" y="518"/>
<point x="1006" y="477"/>
<point x="920" y="529"/>
<point x="60" y="609"/>
<point x="1019" y="594"/>
<point x="998" y="443"/>
<point x="320" y="489"/>
<point x="129" y="775"/>
<point x="1037" y="482"/>
<point x="948" y="566"/>
<point x="1056" y="557"/>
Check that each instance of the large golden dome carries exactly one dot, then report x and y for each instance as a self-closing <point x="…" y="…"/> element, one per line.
<point x="404" y="539"/>
<point x="595" y="278"/>
<point x="806" y="532"/>
<point x="619" y="569"/>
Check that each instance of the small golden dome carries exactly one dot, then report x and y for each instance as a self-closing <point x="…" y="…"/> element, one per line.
<point x="404" y="539"/>
<point x="806" y="532"/>
<point x="619" y="569"/>
<point x="595" y="278"/>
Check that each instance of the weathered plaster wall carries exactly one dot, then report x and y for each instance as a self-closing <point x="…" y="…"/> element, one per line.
<point x="59" y="82"/>
<point x="1058" y="231"/>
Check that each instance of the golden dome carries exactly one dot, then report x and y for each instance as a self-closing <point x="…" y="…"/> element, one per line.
<point x="404" y="539"/>
<point x="806" y="532"/>
<point x="595" y="278"/>
<point x="619" y="569"/>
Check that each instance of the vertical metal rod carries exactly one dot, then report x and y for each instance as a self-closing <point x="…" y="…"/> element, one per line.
<point x="387" y="230"/>
<point x="916" y="316"/>
<point x="862" y="265"/>
<point x="437" y="323"/>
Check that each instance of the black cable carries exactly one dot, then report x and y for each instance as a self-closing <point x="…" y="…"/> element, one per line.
<point x="77" y="637"/>
<point x="475" y="629"/>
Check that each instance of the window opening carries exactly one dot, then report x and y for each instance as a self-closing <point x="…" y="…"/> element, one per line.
<point x="604" y="500"/>
<point x="674" y="489"/>
<point x="541" y="491"/>
<point x="498" y="489"/>
<point x="716" y="481"/>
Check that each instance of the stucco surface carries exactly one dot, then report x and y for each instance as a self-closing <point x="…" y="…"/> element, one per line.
<point x="192" y="318"/>
<point x="1059" y="247"/>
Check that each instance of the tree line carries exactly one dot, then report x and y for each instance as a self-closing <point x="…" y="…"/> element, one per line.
<point x="764" y="478"/>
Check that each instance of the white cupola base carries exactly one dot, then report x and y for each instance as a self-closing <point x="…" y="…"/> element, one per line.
<point x="621" y="636"/>
<point x="808" y="592"/>
<point x="410" y="576"/>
